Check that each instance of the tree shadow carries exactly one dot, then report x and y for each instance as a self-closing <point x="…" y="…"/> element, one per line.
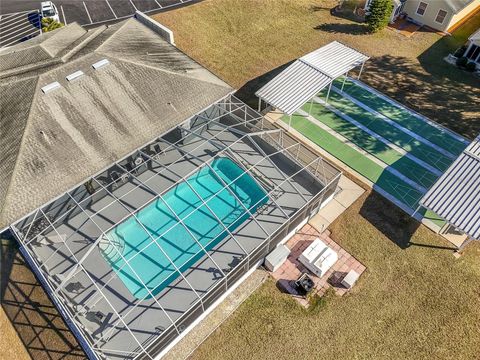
<point x="451" y="100"/>
<point x="335" y="28"/>
<point x="38" y="323"/>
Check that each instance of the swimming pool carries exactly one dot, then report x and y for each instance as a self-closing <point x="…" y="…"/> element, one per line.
<point x="150" y="263"/>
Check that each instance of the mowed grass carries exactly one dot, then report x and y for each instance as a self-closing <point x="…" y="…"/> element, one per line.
<point x="416" y="301"/>
<point x="244" y="41"/>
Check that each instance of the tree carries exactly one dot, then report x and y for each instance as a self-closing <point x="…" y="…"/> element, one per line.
<point x="379" y="14"/>
<point x="49" y="24"/>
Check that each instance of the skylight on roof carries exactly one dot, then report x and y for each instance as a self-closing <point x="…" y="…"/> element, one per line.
<point x="100" y="64"/>
<point x="51" y="87"/>
<point x="74" y="75"/>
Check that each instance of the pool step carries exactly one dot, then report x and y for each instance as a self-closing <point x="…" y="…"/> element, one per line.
<point x="107" y="246"/>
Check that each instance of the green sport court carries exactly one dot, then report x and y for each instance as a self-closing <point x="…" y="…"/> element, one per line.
<point x="399" y="151"/>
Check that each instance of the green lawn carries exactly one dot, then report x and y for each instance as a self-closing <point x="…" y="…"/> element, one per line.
<point x="416" y="301"/>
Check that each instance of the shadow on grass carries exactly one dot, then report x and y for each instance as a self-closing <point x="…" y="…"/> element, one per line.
<point x="392" y="222"/>
<point x="352" y="29"/>
<point x="30" y="311"/>
<point x="444" y="93"/>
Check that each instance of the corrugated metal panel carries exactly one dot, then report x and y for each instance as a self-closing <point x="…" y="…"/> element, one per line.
<point x="335" y="59"/>
<point x="293" y="87"/>
<point x="299" y="82"/>
<point x="456" y="195"/>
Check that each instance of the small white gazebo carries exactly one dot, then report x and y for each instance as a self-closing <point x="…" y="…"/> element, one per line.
<point x="308" y="75"/>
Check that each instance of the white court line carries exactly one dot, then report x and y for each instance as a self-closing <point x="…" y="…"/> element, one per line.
<point x="379" y="137"/>
<point x="159" y="5"/>
<point x="131" y="2"/>
<point x="365" y="153"/>
<point x="395" y="124"/>
<point x="87" y="12"/>
<point x="18" y="39"/>
<point x="411" y="111"/>
<point x="63" y="15"/>
<point x="113" y="12"/>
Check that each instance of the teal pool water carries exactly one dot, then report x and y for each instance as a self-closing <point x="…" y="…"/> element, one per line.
<point x="151" y="264"/>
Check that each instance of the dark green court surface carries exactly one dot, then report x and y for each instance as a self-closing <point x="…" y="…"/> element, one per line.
<point x="377" y="149"/>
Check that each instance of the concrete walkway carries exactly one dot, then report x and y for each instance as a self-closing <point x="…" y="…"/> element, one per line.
<point x="348" y="194"/>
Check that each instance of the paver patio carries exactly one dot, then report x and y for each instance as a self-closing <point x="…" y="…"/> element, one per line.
<point x="292" y="268"/>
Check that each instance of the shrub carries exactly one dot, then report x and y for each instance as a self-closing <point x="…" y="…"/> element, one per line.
<point x="50" y="24"/>
<point x="379" y="14"/>
<point x="470" y="66"/>
<point x="462" y="62"/>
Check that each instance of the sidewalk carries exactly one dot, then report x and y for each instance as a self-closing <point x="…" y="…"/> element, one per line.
<point x="348" y="194"/>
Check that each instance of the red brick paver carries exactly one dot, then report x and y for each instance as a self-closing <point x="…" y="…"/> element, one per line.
<point x="292" y="268"/>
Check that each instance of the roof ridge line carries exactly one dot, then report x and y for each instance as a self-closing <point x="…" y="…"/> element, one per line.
<point x="164" y="70"/>
<point x="111" y="36"/>
<point x="316" y="68"/>
<point x="90" y="35"/>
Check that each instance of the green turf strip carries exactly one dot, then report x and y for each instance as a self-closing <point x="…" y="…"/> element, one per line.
<point x="358" y="162"/>
<point x="372" y="171"/>
<point x="381" y="151"/>
<point x="390" y="133"/>
<point x="403" y="117"/>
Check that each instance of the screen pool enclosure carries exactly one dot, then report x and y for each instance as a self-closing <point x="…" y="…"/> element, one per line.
<point x="137" y="253"/>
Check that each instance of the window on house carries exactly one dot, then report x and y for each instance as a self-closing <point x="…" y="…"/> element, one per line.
<point x="421" y="8"/>
<point x="441" y="16"/>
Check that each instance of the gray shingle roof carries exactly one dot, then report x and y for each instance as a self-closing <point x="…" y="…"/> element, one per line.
<point x="51" y="142"/>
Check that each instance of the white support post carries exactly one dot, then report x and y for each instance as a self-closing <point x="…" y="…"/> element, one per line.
<point x="310" y="108"/>
<point x="361" y="69"/>
<point x="344" y="79"/>
<point x="259" y="104"/>
<point x="290" y="122"/>
<point x="328" y="93"/>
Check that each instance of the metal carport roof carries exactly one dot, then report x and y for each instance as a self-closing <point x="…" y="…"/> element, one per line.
<point x="456" y="195"/>
<point x="305" y="77"/>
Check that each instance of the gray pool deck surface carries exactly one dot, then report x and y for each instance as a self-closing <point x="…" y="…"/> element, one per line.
<point x="102" y="305"/>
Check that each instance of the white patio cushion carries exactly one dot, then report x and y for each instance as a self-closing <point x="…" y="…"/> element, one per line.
<point x="318" y="257"/>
